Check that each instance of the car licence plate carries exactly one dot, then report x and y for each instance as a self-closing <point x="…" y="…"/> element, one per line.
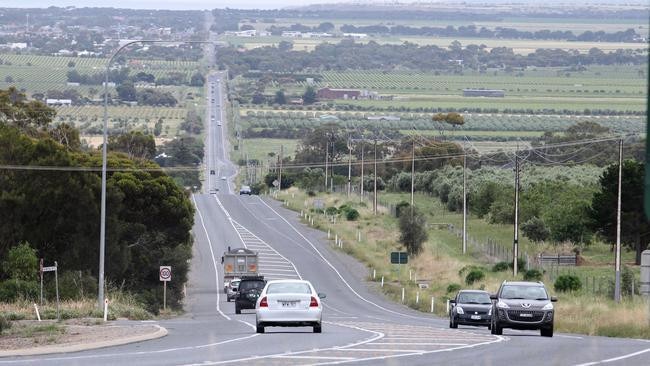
<point x="288" y="304"/>
<point x="476" y="317"/>
<point x="526" y="315"/>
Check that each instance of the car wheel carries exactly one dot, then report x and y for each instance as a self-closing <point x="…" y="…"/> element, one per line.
<point x="547" y="332"/>
<point x="497" y="329"/>
<point x="318" y="329"/>
<point x="260" y="329"/>
<point x="237" y="310"/>
<point x="227" y="299"/>
<point x="452" y="323"/>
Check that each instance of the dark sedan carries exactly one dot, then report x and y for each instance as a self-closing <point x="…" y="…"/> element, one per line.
<point x="470" y="307"/>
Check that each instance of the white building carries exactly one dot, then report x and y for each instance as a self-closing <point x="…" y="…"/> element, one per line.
<point x="355" y="35"/>
<point x="246" y="33"/>
<point x="292" y="34"/>
<point x="58" y="101"/>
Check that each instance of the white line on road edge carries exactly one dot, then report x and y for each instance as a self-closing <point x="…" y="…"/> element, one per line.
<point x="247" y="323"/>
<point x="615" y="358"/>
<point x="214" y="260"/>
<point x="335" y="270"/>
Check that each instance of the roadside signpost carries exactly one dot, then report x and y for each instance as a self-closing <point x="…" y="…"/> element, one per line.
<point x="54" y="269"/>
<point x="165" y="274"/>
<point x="399" y="258"/>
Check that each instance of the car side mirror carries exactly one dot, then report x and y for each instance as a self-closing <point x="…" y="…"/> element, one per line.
<point x="321" y="295"/>
<point x="553" y="299"/>
<point x="493" y="297"/>
<point x="452" y="302"/>
<point x="221" y="260"/>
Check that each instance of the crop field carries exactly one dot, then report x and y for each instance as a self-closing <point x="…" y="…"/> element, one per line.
<point x="122" y="117"/>
<point x="259" y="148"/>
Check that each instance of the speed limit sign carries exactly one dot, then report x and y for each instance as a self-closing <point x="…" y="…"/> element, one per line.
<point x="165" y="273"/>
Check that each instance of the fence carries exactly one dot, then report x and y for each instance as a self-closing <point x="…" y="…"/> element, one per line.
<point x="559" y="260"/>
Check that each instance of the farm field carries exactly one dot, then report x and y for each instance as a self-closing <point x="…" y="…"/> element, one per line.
<point x="259" y="148"/>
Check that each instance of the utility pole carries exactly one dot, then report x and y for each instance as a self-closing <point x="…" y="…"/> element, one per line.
<point x="464" y="204"/>
<point x="515" y="245"/>
<point x="361" y="188"/>
<point x="617" y="285"/>
<point x="280" y="174"/>
<point x="349" y="167"/>
<point x="374" y="198"/>
<point x="327" y="157"/>
<point x="332" y="170"/>
<point x="412" y="173"/>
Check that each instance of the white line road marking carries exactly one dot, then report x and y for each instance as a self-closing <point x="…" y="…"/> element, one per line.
<point x="214" y="260"/>
<point x="616" y="358"/>
<point x="568" y="336"/>
<point x="247" y="323"/>
<point x="416" y="351"/>
<point x="316" y="357"/>
<point x="417" y="344"/>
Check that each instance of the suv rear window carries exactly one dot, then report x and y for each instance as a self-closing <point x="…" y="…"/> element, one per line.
<point x="247" y="285"/>
<point x="524" y="292"/>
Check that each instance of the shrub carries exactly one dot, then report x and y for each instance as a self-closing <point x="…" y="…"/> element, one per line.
<point x="332" y="211"/>
<point x="351" y="214"/>
<point x="21" y="263"/>
<point x="453" y="288"/>
<point x="535" y="229"/>
<point x="501" y="267"/>
<point x="399" y="208"/>
<point x="474" y="275"/>
<point x="73" y="285"/>
<point x="4" y="323"/>
<point x="12" y="290"/>
<point x="566" y="283"/>
<point x="533" y="275"/>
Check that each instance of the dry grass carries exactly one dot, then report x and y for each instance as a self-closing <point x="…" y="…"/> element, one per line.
<point x="438" y="267"/>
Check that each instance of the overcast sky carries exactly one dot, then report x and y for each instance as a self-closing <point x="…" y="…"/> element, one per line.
<point x="164" y="4"/>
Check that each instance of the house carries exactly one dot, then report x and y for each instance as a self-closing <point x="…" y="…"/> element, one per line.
<point x="291" y="34"/>
<point x="327" y="93"/>
<point x="246" y="33"/>
<point x="493" y="93"/>
<point x="296" y="101"/>
<point x="58" y="101"/>
<point x="383" y="118"/>
<point x="355" y="35"/>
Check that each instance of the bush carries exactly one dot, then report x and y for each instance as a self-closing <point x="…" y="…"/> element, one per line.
<point x="73" y="285"/>
<point x="533" y="275"/>
<point x="474" y="275"/>
<point x="332" y="211"/>
<point x="501" y="267"/>
<point x="12" y="290"/>
<point x="566" y="283"/>
<point x="535" y="229"/>
<point x="453" y="288"/>
<point x="399" y="208"/>
<point x="351" y="214"/>
<point x="4" y="323"/>
<point x="21" y="263"/>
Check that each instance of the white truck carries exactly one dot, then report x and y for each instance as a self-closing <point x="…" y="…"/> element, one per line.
<point x="237" y="263"/>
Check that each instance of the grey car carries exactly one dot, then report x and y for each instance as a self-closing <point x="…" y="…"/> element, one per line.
<point x="523" y="305"/>
<point x="470" y="307"/>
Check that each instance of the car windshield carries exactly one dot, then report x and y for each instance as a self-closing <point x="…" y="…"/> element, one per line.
<point x="247" y="285"/>
<point x="474" y="298"/>
<point x="524" y="292"/>
<point x="234" y="283"/>
<point x="289" y="288"/>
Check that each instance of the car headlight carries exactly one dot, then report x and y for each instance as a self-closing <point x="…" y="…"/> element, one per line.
<point x="490" y="311"/>
<point x="502" y="305"/>
<point x="459" y="310"/>
<point x="548" y="306"/>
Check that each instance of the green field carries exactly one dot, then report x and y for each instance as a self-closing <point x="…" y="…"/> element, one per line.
<point x="259" y="148"/>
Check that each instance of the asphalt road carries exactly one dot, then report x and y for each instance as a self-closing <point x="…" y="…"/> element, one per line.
<point x="360" y="325"/>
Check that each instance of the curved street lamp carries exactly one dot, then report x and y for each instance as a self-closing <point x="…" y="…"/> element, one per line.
<point x="102" y="230"/>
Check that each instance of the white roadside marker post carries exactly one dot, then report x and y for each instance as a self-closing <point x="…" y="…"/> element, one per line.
<point x="403" y="295"/>
<point x="106" y="309"/>
<point x="38" y="315"/>
<point x="417" y="297"/>
<point x="432" y="303"/>
<point x="382" y="281"/>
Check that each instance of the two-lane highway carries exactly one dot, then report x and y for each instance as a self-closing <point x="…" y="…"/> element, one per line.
<point x="360" y="325"/>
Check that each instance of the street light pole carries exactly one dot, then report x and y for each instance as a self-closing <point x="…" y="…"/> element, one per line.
<point x="102" y="224"/>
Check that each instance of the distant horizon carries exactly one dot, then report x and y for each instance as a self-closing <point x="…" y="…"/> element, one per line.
<point x="264" y="4"/>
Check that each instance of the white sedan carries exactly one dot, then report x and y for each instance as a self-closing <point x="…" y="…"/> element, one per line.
<point x="289" y="303"/>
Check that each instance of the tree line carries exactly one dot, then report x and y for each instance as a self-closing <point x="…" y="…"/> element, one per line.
<point x="56" y="210"/>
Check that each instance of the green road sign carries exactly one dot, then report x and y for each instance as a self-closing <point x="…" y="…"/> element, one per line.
<point x="399" y="257"/>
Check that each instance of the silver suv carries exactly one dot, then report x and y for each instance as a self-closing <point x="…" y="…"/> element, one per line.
<point x="522" y="305"/>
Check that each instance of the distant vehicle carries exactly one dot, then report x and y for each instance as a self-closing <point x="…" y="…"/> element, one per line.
<point x="470" y="307"/>
<point x="231" y="289"/>
<point x="245" y="190"/>
<point x="523" y="305"/>
<point x="218" y="123"/>
<point x="211" y="171"/>
<point x="237" y="263"/>
<point x="248" y="292"/>
<point x="214" y="190"/>
<point x="224" y="178"/>
<point x="289" y="303"/>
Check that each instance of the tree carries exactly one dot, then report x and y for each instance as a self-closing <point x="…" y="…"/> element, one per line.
<point x="285" y="46"/>
<point x="634" y="225"/>
<point x="21" y="263"/>
<point x="66" y="135"/>
<point x="412" y="230"/>
<point x="16" y="111"/>
<point x="309" y="97"/>
<point x="280" y="98"/>
<point x="135" y="144"/>
<point x="535" y="229"/>
<point x="126" y="91"/>
<point x="258" y="98"/>
<point x="197" y="79"/>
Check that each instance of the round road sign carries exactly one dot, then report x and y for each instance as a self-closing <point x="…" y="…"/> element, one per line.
<point x="165" y="273"/>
